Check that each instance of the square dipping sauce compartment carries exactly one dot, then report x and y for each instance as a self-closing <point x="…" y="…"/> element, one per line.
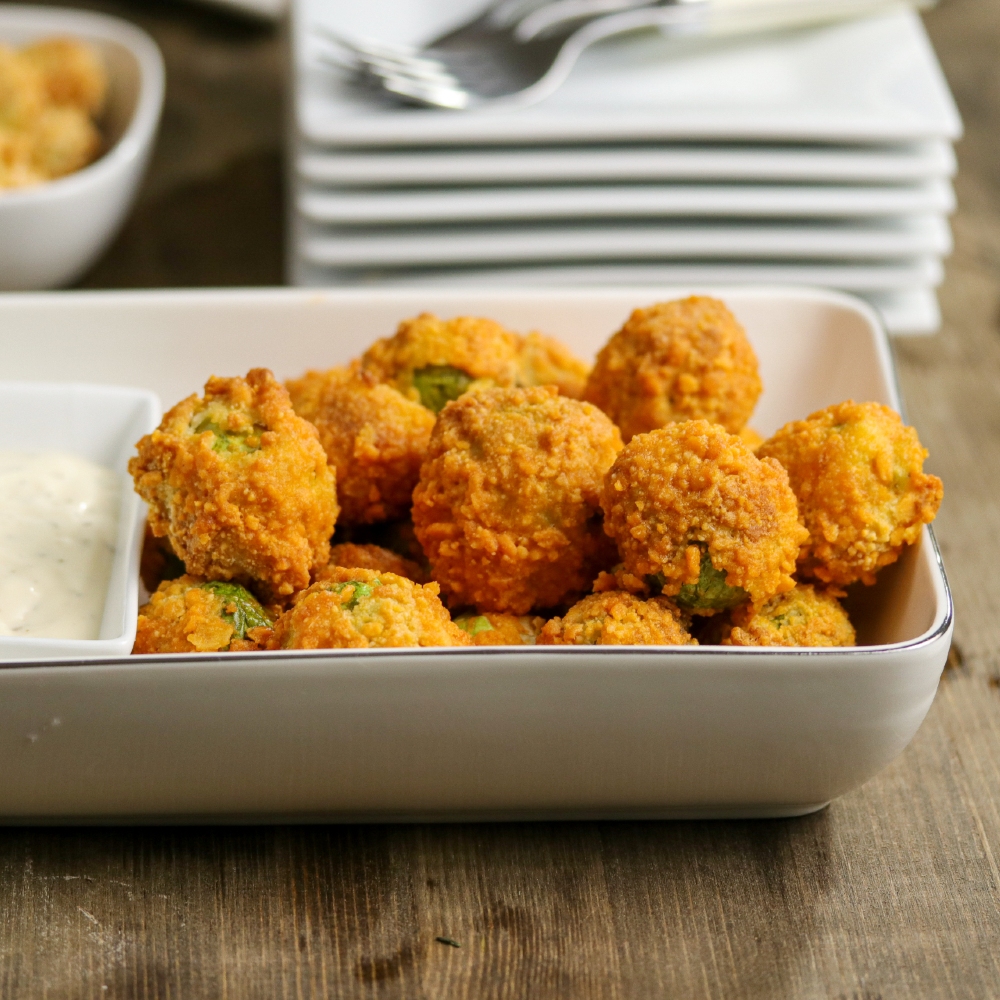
<point x="502" y="732"/>
<point x="100" y="424"/>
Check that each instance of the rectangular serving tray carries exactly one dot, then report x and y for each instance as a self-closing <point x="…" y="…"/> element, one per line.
<point x="461" y="733"/>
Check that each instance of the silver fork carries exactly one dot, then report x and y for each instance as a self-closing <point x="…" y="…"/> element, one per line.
<point x="511" y="53"/>
<point x="514" y="54"/>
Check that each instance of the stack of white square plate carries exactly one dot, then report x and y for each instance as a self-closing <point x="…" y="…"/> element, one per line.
<point x="819" y="156"/>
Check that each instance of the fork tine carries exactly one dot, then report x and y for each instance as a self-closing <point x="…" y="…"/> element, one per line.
<point x="427" y="93"/>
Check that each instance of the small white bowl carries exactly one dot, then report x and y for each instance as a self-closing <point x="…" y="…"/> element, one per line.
<point x="51" y="233"/>
<point x="101" y="424"/>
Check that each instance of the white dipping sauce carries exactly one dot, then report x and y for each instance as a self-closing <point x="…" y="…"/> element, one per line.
<point x="58" y="526"/>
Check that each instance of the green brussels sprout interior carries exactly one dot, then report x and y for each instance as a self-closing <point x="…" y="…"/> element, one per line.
<point x="440" y="384"/>
<point x="361" y="590"/>
<point x="229" y="441"/>
<point x="474" y="625"/>
<point x="711" y="592"/>
<point x="247" y="612"/>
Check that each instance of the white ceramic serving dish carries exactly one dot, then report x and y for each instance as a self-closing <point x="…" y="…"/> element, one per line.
<point x="899" y="164"/>
<point x="51" y="233"/>
<point x="444" y="733"/>
<point x="552" y="243"/>
<point x="101" y="424"/>
<point x="351" y="207"/>
<point x="873" y="80"/>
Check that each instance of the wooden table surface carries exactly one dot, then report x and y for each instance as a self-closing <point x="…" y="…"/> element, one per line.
<point x="891" y="892"/>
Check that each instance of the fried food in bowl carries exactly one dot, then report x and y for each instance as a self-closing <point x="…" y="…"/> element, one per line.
<point x="507" y="507"/>
<point x="50" y="93"/>
<point x="362" y="608"/>
<point x="374" y="437"/>
<point x="191" y="615"/>
<point x="240" y="485"/>
<point x="857" y="471"/>
<point x="804" y="616"/>
<point x="618" y="618"/>
<point x="693" y="510"/>
<point x="684" y="360"/>
<point x="432" y="361"/>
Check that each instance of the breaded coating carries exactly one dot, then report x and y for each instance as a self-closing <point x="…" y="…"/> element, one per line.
<point x="492" y="628"/>
<point x="240" y="485"/>
<point x="804" y="616"/>
<point x="191" y="615"/>
<point x="618" y="618"/>
<point x="691" y="506"/>
<point x="751" y="438"/>
<point x="507" y="507"/>
<point x="374" y="437"/>
<point x="683" y="360"/>
<point x="48" y="94"/>
<point x="432" y="361"/>
<point x="543" y="360"/>
<point x="373" y="557"/>
<point x="858" y="473"/>
<point x="359" y="608"/>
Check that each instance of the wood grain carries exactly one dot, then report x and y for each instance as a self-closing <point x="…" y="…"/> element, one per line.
<point x="892" y="892"/>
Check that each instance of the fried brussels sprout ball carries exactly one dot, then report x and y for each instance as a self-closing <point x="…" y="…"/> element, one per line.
<point x="433" y="361"/>
<point x="683" y="360"/>
<point x="240" y="485"/>
<point x="507" y="507"/>
<point x="804" y="616"/>
<point x="857" y="471"/>
<point x="698" y="516"/>
<point x="544" y="360"/>
<point x="618" y="618"/>
<point x="374" y="437"/>
<point x="373" y="557"/>
<point x="190" y="615"/>
<point x="360" y="608"/>
<point x="72" y="73"/>
<point x="495" y="629"/>
<point x="22" y="90"/>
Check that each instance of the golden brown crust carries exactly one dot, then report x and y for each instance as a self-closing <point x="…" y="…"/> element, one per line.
<point x="863" y="495"/>
<point x="72" y="73"/>
<point x="543" y="360"/>
<point x="691" y="485"/>
<point x="183" y="617"/>
<point x="804" y="616"/>
<point x="240" y="485"/>
<point x="361" y="608"/>
<point x="481" y="348"/>
<point x="507" y="504"/>
<point x="493" y="628"/>
<point x="373" y="557"/>
<point x="751" y="438"/>
<point x="48" y="93"/>
<point x="374" y="437"/>
<point x="683" y="360"/>
<point x="618" y="618"/>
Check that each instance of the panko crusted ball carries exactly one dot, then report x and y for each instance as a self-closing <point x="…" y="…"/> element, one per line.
<point x="374" y="437"/>
<point x="683" y="360"/>
<point x="190" y="615"/>
<point x="618" y="618"/>
<point x="857" y="471"/>
<point x="432" y="361"/>
<point x="805" y="616"/>
<point x="240" y="485"/>
<point x="543" y="360"/>
<point x="360" y="608"/>
<point x="693" y="508"/>
<point x="374" y="557"/>
<point x="493" y="628"/>
<point x="507" y="507"/>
